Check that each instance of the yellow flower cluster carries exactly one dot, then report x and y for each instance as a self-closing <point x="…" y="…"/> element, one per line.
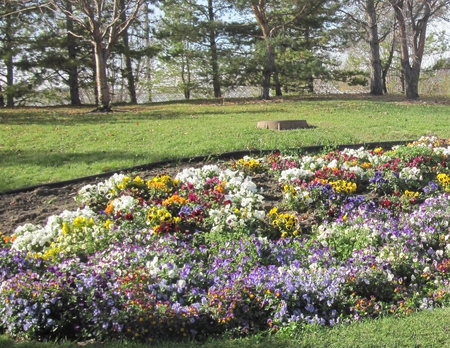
<point x="125" y="181"/>
<point x="343" y="186"/>
<point x="444" y="180"/>
<point x="410" y="194"/>
<point x="137" y="181"/>
<point x="51" y="252"/>
<point x="156" y="215"/>
<point x="290" y="189"/>
<point x="352" y="163"/>
<point x="378" y="150"/>
<point x="81" y="221"/>
<point x="162" y="183"/>
<point x="108" y="224"/>
<point x="248" y="164"/>
<point x="76" y="237"/>
<point x="161" y="217"/>
<point x="284" y="222"/>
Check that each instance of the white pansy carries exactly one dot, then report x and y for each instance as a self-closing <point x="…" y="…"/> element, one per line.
<point x="106" y="189"/>
<point x="123" y="204"/>
<point x="33" y="238"/>
<point x="311" y="163"/>
<point x="359" y="172"/>
<point x="198" y="176"/>
<point x="332" y="164"/>
<point x="249" y="185"/>
<point x="410" y="173"/>
<point x="292" y="174"/>
<point x="181" y="283"/>
<point x="231" y="220"/>
<point x="259" y="214"/>
<point x="445" y="151"/>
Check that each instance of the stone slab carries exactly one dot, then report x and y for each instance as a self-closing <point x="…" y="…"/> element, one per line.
<point x="282" y="125"/>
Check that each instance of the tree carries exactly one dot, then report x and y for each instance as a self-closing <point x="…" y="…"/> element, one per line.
<point x="370" y="21"/>
<point x="46" y="56"/>
<point x="180" y="38"/>
<point x="13" y="25"/>
<point x="62" y="63"/>
<point x="201" y="27"/>
<point x="72" y="68"/>
<point x="303" y="48"/>
<point x="413" y="17"/>
<point x="274" y="17"/>
<point x="376" y="71"/>
<point x="128" y="71"/>
<point x="104" y="21"/>
<point x="212" y="39"/>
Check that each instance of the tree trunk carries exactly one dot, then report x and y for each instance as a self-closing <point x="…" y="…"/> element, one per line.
<point x="310" y="84"/>
<point x="310" y="77"/>
<point x="186" y="78"/>
<point x="214" y="55"/>
<point x="9" y="63"/>
<point x="412" y="83"/>
<point x="387" y="66"/>
<point x="104" y="99"/>
<point x="411" y="70"/>
<point x="265" y="84"/>
<point x="128" y="72"/>
<point x="2" y="100"/>
<point x="94" y="74"/>
<point x="276" y="81"/>
<point x="402" y="80"/>
<point x="147" y="59"/>
<point x="376" y="83"/>
<point x="269" y="68"/>
<point x="268" y="72"/>
<point x="272" y="68"/>
<point x="9" y="79"/>
<point x="73" y="66"/>
<point x="128" y="63"/>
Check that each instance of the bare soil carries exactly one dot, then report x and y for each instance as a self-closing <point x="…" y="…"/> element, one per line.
<point x="35" y="206"/>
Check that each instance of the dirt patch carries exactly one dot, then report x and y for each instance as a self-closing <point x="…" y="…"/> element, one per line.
<point x="37" y="205"/>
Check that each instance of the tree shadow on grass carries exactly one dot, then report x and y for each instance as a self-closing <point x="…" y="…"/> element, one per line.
<point x="122" y="115"/>
<point x="171" y="110"/>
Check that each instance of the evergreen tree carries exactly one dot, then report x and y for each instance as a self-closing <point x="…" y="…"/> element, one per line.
<point x="286" y="26"/>
<point x="15" y="21"/>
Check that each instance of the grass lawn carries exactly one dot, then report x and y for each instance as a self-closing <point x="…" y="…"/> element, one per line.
<point x="424" y="329"/>
<point x="40" y="145"/>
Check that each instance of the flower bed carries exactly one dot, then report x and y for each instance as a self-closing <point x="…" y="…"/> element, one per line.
<point x="358" y="234"/>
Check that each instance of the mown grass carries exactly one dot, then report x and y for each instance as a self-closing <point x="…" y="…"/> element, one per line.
<point x="424" y="329"/>
<point x="41" y="145"/>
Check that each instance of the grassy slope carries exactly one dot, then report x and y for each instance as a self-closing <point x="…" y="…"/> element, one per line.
<point x="54" y="144"/>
